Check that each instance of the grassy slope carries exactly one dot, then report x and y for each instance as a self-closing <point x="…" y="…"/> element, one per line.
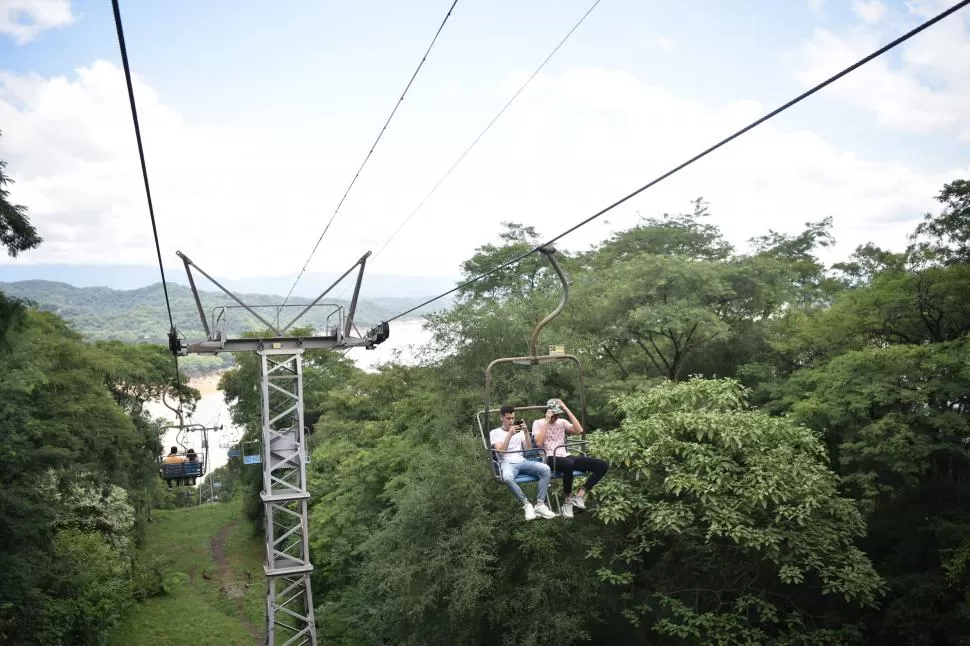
<point x="196" y="611"/>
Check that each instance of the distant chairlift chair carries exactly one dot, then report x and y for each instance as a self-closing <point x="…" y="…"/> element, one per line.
<point x="194" y="463"/>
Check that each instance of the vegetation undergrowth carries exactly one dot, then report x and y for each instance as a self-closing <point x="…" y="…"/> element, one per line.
<point x="208" y="567"/>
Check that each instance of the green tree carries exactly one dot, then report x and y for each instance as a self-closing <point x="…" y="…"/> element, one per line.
<point x="670" y="298"/>
<point x="685" y="236"/>
<point x="71" y="462"/>
<point x="653" y="313"/>
<point x="945" y="237"/>
<point x="520" y="279"/>
<point x="733" y="527"/>
<point x="17" y="234"/>
<point x="883" y="374"/>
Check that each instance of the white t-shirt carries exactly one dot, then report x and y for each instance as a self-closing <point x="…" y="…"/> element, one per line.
<point x="497" y="436"/>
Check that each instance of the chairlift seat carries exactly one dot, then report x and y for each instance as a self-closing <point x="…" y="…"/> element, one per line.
<point x="523" y="478"/>
<point x="179" y="470"/>
<point x="532" y="455"/>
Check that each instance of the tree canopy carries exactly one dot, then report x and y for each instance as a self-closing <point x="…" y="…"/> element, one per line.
<point x="78" y="470"/>
<point x="17" y="234"/>
<point x="787" y="445"/>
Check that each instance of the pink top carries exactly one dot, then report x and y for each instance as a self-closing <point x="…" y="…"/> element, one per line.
<point x="555" y="436"/>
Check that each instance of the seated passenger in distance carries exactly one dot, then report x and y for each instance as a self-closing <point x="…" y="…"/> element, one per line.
<point x="510" y="437"/>
<point x="550" y="434"/>
<point x="193" y="457"/>
<point x="173" y="458"/>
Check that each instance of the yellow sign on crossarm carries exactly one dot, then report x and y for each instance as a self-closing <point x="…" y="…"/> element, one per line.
<point x="557" y="349"/>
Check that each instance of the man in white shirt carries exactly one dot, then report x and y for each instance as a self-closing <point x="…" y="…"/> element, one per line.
<point x="507" y="440"/>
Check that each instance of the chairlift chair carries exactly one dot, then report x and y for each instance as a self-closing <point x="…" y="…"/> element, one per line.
<point x="556" y="353"/>
<point x="188" y="469"/>
<point x="251" y="452"/>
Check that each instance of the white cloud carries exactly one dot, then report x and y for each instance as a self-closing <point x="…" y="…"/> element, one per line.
<point x="663" y="42"/>
<point x="252" y="200"/>
<point x="926" y="92"/>
<point x="24" y="19"/>
<point x="869" y="10"/>
<point x="773" y="177"/>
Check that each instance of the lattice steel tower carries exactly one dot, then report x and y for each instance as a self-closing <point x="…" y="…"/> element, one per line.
<point x="289" y="599"/>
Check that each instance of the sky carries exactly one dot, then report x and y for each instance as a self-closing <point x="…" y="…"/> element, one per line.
<point x="255" y="117"/>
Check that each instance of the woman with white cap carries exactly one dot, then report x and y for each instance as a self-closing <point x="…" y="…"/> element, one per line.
<point x="550" y="434"/>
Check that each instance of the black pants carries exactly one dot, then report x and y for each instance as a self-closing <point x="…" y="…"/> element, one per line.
<point x="566" y="465"/>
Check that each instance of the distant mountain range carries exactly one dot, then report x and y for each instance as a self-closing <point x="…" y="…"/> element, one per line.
<point x="127" y="277"/>
<point x="140" y="314"/>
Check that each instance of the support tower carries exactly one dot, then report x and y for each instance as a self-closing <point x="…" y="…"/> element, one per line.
<point x="289" y="599"/>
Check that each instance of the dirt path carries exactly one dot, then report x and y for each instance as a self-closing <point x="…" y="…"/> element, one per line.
<point x="229" y="588"/>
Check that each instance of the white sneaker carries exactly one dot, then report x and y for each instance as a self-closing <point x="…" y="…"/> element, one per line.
<point x="544" y="511"/>
<point x="530" y="512"/>
<point x="567" y="510"/>
<point x="579" y="501"/>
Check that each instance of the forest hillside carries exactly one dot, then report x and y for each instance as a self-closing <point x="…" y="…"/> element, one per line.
<point x="139" y="315"/>
<point x="786" y="441"/>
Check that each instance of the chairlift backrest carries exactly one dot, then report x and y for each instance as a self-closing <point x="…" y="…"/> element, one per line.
<point x="251" y="455"/>
<point x="485" y="428"/>
<point x="534" y="453"/>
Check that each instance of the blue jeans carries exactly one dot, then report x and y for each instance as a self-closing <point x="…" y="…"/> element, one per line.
<point x="510" y="470"/>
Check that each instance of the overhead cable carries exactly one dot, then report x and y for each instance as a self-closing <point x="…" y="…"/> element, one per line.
<point x="488" y="127"/>
<point x="323" y="371"/>
<point x="371" y="151"/>
<point x="804" y="95"/>
<point x="148" y="190"/>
